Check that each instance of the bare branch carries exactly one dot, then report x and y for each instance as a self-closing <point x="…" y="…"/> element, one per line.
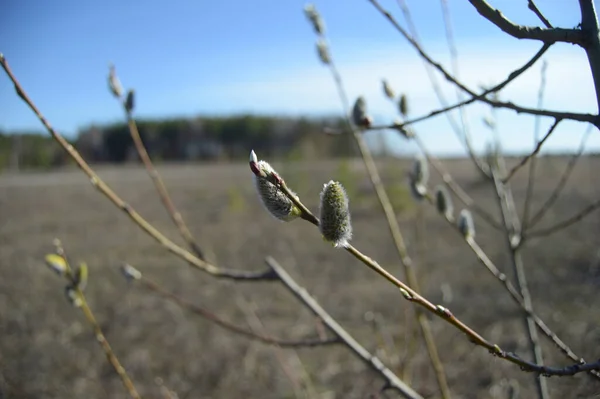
<point x="563" y="180"/>
<point x="565" y="223"/>
<point x="373" y="362"/>
<point x="101" y="186"/>
<point x="498" y="104"/>
<point x="531" y="5"/>
<point x="546" y="35"/>
<point x="208" y="315"/>
<point x="537" y="149"/>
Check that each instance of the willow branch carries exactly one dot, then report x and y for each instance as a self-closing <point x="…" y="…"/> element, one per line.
<point x="163" y="193"/>
<point x="208" y="315"/>
<point x="565" y="223"/>
<point x="372" y="361"/>
<point x="102" y="187"/>
<point x="536" y="151"/>
<point x="494" y="103"/>
<point x="531" y="5"/>
<point x="546" y="35"/>
<point x="563" y="180"/>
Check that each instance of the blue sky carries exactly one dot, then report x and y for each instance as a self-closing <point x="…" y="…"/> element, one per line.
<point x="187" y="58"/>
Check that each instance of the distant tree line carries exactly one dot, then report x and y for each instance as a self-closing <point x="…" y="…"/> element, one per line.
<point x="186" y="139"/>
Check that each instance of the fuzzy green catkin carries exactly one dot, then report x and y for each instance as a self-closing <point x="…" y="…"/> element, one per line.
<point x="73" y="296"/>
<point x="443" y="202"/>
<point x="334" y="218"/>
<point x="273" y="199"/>
<point x="465" y="224"/>
<point x="315" y="18"/>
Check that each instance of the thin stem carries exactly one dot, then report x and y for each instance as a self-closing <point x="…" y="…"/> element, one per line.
<point x="373" y="362"/>
<point x="562" y="182"/>
<point x="532" y="155"/>
<point x="531" y="5"/>
<point x="163" y="193"/>
<point x="533" y="163"/>
<point x="101" y="186"/>
<point x="100" y="337"/>
<point x="208" y="315"/>
<point x="565" y="223"/>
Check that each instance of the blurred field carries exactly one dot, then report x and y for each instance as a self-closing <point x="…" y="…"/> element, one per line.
<point x="47" y="351"/>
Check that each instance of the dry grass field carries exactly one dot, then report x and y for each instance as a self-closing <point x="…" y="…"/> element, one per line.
<point x="48" y="351"/>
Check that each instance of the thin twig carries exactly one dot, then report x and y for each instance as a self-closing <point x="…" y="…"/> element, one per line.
<point x="562" y="182"/>
<point x="547" y="35"/>
<point x="462" y="134"/>
<point x="512" y="76"/>
<point x="100" y="337"/>
<point x="208" y="315"/>
<point x="373" y="362"/>
<point x="565" y="223"/>
<point x="531" y="5"/>
<point x="533" y="163"/>
<point x="494" y="103"/>
<point x="101" y="186"/>
<point x="537" y="149"/>
<point x="163" y="193"/>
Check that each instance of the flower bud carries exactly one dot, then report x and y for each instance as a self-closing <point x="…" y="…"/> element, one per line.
<point x="465" y="224"/>
<point x="443" y="202"/>
<point x="387" y="90"/>
<point x="72" y="296"/>
<point x="334" y="218"/>
<point x="81" y="277"/>
<point x="403" y="105"/>
<point x="57" y="263"/>
<point x="273" y="199"/>
<point x="315" y="18"/>
<point x="114" y="83"/>
<point x="359" y="113"/>
<point x="130" y="101"/>
<point x="130" y="272"/>
<point x="418" y="178"/>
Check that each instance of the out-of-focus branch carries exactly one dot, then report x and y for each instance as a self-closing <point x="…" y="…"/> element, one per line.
<point x="546" y="35"/>
<point x="513" y="234"/>
<point x="208" y="315"/>
<point x="512" y="290"/>
<point x="563" y="180"/>
<point x="565" y="223"/>
<point x="494" y="103"/>
<point x="536" y="151"/>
